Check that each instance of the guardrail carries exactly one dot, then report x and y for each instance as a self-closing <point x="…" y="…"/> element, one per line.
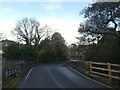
<point x="10" y="72"/>
<point x="108" y="69"/>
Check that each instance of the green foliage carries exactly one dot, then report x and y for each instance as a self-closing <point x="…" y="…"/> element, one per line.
<point x="28" y="30"/>
<point x="16" y="51"/>
<point x="27" y="52"/>
<point x="98" y="17"/>
<point x="11" y="51"/>
<point x="11" y="83"/>
<point x="46" y="52"/>
<point x="99" y="14"/>
<point x="107" y="50"/>
<point x="52" y="50"/>
<point x="49" y="50"/>
<point x="96" y="29"/>
<point x="73" y="49"/>
<point x="59" y="44"/>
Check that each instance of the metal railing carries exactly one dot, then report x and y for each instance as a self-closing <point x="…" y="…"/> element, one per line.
<point x="10" y="72"/>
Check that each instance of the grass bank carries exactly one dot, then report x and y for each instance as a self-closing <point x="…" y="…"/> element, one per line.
<point x="12" y="82"/>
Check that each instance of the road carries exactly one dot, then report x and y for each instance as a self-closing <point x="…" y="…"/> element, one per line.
<point x="56" y="76"/>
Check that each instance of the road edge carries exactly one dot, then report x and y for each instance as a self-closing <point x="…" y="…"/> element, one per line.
<point x="89" y="78"/>
<point x="27" y="76"/>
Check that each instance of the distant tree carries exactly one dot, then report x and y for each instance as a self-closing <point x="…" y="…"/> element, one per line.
<point x="30" y="31"/>
<point x="2" y="37"/>
<point x="58" y="43"/>
<point x="46" y="52"/>
<point x="43" y="32"/>
<point x="73" y="49"/>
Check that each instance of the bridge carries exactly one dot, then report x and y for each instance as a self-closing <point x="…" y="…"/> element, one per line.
<point x="57" y="76"/>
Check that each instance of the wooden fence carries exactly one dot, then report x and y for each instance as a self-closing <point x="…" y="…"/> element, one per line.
<point x="95" y="68"/>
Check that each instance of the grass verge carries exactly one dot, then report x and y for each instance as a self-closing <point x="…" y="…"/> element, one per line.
<point x="12" y="82"/>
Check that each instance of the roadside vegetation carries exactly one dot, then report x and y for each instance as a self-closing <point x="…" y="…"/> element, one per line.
<point x="40" y="45"/>
<point x="98" y="39"/>
<point x="11" y="82"/>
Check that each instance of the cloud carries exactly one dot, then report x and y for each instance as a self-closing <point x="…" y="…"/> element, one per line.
<point x="6" y="9"/>
<point x="51" y="6"/>
<point x="56" y="0"/>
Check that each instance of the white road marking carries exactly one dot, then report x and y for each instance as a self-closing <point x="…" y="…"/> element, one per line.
<point x="89" y="78"/>
<point x="27" y="76"/>
<point x="28" y="73"/>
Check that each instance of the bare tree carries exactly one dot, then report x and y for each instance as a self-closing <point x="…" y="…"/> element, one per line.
<point x="29" y="31"/>
<point x="2" y="37"/>
<point x="43" y="32"/>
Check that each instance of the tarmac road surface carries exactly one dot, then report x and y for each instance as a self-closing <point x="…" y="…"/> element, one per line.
<point x="56" y="76"/>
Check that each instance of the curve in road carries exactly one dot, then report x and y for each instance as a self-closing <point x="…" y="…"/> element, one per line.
<point x="56" y="76"/>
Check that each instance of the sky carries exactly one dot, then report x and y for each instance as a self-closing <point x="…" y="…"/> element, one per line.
<point x="62" y="17"/>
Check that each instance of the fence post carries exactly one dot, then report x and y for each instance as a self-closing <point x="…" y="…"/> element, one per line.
<point x="109" y="73"/>
<point x="18" y="70"/>
<point x="90" y="67"/>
